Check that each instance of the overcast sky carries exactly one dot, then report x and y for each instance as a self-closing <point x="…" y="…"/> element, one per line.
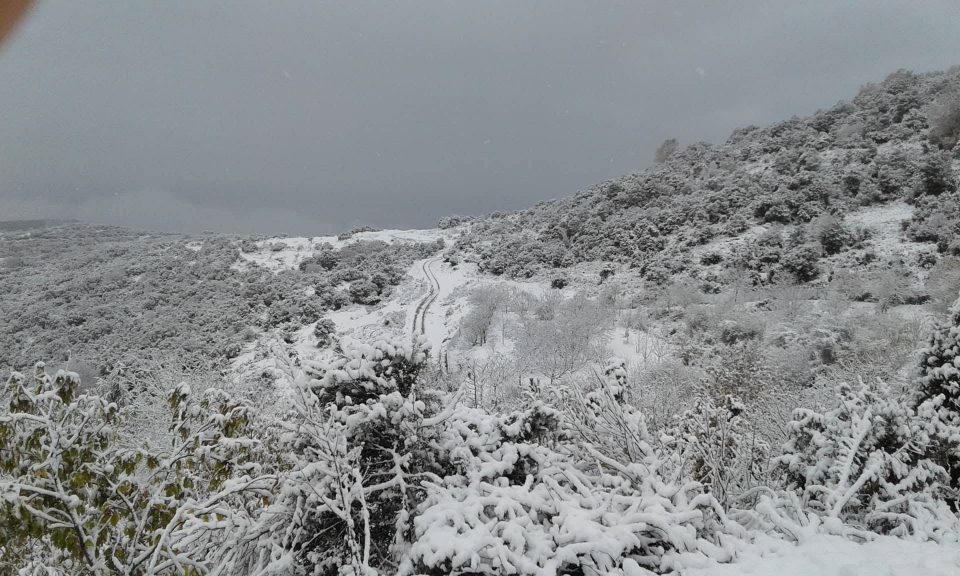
<point x="313" y="116"/>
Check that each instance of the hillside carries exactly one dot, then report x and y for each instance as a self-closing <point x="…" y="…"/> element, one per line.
<point x="97" y="299"/>
<point x="894" y="142"/>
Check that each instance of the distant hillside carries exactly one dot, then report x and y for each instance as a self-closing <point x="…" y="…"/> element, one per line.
<point x="20" y="225"/>
<point x="100" y="297"/>
<point x="894" y="142"/>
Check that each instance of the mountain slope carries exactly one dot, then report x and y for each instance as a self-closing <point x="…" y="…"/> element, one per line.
<point x="895" y="141"/>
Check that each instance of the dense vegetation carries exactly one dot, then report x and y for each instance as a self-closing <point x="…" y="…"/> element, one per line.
<point x="99" y="298"/>
<point x="375" y="469"/>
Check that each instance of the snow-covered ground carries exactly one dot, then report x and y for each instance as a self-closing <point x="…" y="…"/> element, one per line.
<point x="887" y="239"/>
<point x="392" y="318"/>
<point x="825" y="555"/>
<point x="440" y="290"/>
<point x="283" y="253"/>
<point x="441" y="318"/>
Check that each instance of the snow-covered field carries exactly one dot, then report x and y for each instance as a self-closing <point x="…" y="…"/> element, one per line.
<point x="824" y="555"/>
<point x="284" y="253"/>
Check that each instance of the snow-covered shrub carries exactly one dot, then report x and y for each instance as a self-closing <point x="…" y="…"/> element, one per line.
<point x="380" y="479"/>
<point x="718" y="447"/>
<point x="604" y="417"/>
<point x="944" y="120"/>
<point x="933" y="221"/>
<point x="354" y="449"/>
<point x="936" y="395"/>
<point x="325" y="331"/>
<point x="801" y="262"/>
<point x="739" y="370"/>
<point x="935" y="175"/>
<point x="832" y="235"/>
<point x="519" y="503"/>
<point x="862" y="463"/>
<point x="663" y="390"/>
<point x="733" y="331"/>
<point x="75" y="498"/>
<point x="562" y="337"/>
<point x="364" y="292"/>
<point x="490" y="382"/>
<point x="453" y="221"/>
<point x="485" y="302"/>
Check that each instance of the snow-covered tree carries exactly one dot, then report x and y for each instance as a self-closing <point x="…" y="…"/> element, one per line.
<point x="355" y="449"/>
<point x="667" y="149"/>
<point x="325" y="332"/>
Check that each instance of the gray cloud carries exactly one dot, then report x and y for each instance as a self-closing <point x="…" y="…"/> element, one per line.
<point x="158" y="209"/>
<point x="306" y="116"/>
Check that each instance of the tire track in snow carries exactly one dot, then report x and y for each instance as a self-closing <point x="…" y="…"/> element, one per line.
<point x="420" y="314"/>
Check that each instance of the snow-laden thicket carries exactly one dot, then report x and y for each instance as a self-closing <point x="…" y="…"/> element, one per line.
<point x="75" y="500"/>
<point x="376" y="467"/>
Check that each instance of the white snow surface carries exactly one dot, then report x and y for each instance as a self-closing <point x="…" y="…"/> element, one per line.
<point x="883" y="219"/>
<point x="296" y="249"/>
<point x="826" y="555"/>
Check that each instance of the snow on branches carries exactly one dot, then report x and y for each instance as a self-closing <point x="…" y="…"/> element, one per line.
<point x="541" y="491"/>
<point x="862" y="463"/>
<point x="355" y="448"/>
<point x="936" y="397"/>
<point x="74" y="499"/>
<point x="374" y="471"/>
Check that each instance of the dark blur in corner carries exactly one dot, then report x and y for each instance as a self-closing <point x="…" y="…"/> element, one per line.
<point x="11" y="12"/>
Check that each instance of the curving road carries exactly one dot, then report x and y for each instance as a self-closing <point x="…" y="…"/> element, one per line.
<point x="420" y="314"/>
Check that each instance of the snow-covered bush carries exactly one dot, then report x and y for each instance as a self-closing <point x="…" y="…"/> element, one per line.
<point x="354" y="450"/>
<point x="75" y="499"/>
<point x="382" y="478"/>
<point x="831" y="234"/>
<point x="936" y="396"/>
<point x="801" y="262"/>
<point x="485" y="302"/>
<point x="520" y="502"/>
<point x="944" y="120"/>
<point x="364" y="292"/>
<point x="325" y="331"/>
<point x="862" y="463"/>
<point x="935" y="175"/>
<point x="719" y="447"/>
